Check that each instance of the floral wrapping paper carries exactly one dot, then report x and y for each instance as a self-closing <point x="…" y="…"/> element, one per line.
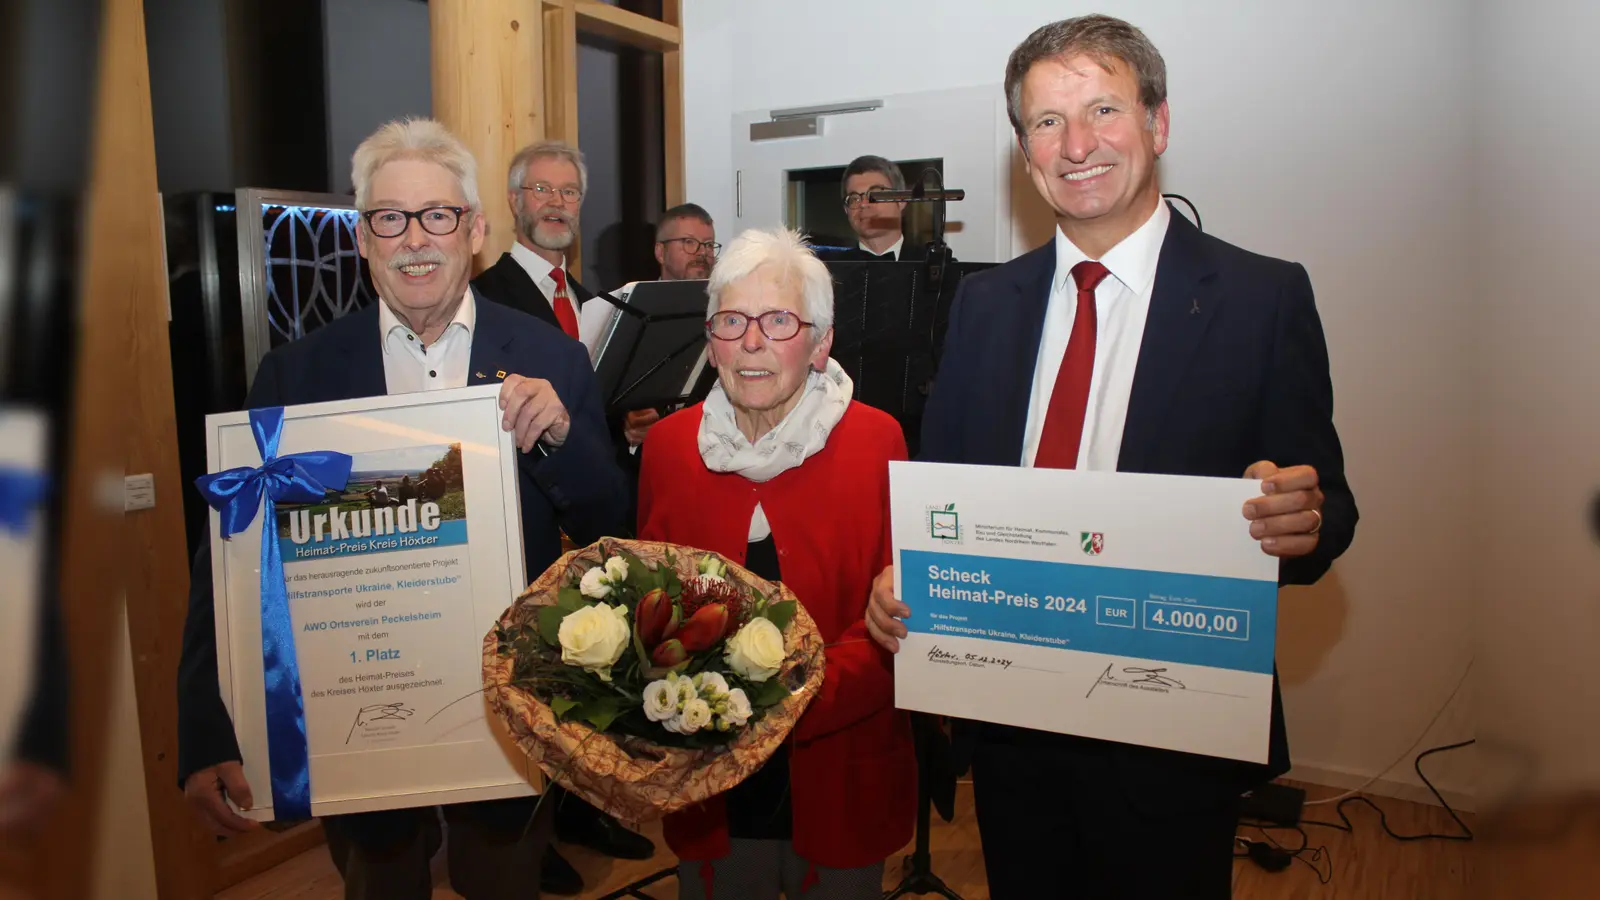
<point x="631" y="778"/>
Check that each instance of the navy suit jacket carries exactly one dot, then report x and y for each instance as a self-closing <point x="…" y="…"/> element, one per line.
<point x="1233" y="368"/>
<point x="576" y="487"/>
<point x="507" y="282"/>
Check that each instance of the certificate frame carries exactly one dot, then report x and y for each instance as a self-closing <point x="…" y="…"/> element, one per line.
<point x="24" y="435"/>
<point x="470" y="758"/>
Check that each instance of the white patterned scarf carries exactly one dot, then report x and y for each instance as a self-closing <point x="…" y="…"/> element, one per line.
<point x="804" y="431"/>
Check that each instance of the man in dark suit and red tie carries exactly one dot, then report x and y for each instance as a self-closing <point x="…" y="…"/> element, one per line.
<point x="546" y="184"/>
<point x="1134" y="343"/>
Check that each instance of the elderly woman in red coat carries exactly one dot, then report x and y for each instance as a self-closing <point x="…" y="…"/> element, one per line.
<point x="782" y="471"/>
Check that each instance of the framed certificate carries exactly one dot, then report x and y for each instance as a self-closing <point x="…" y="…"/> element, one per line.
<point x="1126" y="607"/>
<point x="391" y="582"/>
<point x="23" y="439"/>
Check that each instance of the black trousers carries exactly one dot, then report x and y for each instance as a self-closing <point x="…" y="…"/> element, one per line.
<point x="495" y="848"/>
<point x="1088" y="820"/>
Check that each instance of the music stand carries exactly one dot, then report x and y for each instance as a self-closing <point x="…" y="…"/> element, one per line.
<point x="649" y="351"/>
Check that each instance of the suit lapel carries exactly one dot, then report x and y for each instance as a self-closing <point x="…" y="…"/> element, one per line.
<point x="1182" y="306"/>
<point x="358" y="356"/>
<point x="491" y="342"/>
<point x="518" y="283"/>
<point x="1013" y="378"/>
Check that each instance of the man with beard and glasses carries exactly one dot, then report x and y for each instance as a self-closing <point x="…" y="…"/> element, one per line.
<point x="420" y="224"/>
<point x="547" y="181"/>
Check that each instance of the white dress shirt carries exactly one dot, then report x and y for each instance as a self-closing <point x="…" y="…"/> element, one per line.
<point x="895" y="249"/>
<point x="540" y="271"/>
<point x="1121" y="302"/>
<point x="409" y="367"/>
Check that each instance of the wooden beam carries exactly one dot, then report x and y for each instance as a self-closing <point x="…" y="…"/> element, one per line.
<point x="126" y="262"/>
<point x="561" y="89"/>
<point x="561" y="73"/>
<point x="627" y="27"/>
<point x="488" y="88"/>
<point x="672" y="110"/>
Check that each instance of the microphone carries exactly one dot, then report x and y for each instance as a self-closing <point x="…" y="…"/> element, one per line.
<point x="918" y="194"/>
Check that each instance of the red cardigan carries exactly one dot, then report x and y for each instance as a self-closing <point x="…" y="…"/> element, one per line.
<point x="852" y="772"/>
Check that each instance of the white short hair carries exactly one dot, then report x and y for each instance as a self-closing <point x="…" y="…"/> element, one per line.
<point x="517" y="175"/>
<point x="414" y="138"/>
<point x="786" y="251"/>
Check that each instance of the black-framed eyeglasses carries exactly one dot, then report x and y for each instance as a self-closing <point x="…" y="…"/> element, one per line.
<point x="435" y="220"/>
<point x="776" y="324"/>
<point x="693" y="245"/>
<point x="856" y="198"/>
<point x="547" y="193"/>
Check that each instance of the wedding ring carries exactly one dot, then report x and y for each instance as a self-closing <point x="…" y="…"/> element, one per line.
<point x="1318" y="527"/>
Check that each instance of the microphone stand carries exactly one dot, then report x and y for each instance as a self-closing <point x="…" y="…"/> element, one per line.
<point x="919" y="879"/>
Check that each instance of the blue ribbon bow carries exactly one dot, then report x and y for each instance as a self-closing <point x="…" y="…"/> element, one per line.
<point x="21" y="491"/>
<point x="237" y="494"/>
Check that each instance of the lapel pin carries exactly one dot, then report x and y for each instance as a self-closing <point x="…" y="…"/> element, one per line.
<point x="1195" y="310"/>
<point x="500" y="374"/>
<point x="477" y="375"/>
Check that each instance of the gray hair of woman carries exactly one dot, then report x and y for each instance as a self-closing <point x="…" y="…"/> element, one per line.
<point x="785" y="251"/>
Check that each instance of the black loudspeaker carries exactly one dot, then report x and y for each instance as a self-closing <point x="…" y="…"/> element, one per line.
<point x="888" y="329"/>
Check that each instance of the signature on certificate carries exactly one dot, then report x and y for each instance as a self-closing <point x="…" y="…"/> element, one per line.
<point x="1132" y="676"/>
<point x="976" y="660"/>
<point x="367" y="716"/>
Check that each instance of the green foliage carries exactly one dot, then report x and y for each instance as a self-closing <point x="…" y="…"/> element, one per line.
<point x="781" y="613"/>
<point x="768" y="693"/>
<point x="550" y="625"/>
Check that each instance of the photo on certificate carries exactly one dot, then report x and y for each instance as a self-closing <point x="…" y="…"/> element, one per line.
<point x="393" y="542"/>
<point x="391" y="574"/>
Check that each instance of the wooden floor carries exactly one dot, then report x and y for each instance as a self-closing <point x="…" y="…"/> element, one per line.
<point x="1365" y="865"/>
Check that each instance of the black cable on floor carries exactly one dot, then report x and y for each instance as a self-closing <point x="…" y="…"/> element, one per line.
<point x="1383" y="818"/>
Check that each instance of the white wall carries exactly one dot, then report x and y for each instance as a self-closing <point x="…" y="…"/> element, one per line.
<point x="1331" y="134"/>
<point x="1538" y="429"/>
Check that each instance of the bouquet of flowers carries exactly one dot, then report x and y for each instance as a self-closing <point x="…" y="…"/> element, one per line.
<point x="646" y="677"/>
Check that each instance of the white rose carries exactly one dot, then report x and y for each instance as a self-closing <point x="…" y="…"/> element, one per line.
<point x="738" y="711"/>
<point x="594" y="637"/>
<point x="756" y="651"/>
<point x="616" y="570"/>
<point x="594" y="583"/>
<point x="711" y="684"/>
<point x="695" y="716"/>
<point x="660" y="701"/>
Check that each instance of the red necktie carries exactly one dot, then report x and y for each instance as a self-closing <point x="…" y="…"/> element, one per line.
<point x="1069" y="401"/>
<point x="563" y="305"/>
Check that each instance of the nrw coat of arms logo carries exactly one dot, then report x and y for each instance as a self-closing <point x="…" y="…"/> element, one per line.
<point x="1093" y="542"/>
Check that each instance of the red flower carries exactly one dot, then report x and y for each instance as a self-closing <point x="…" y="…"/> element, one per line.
<point x="705" y="628"/>
<point x="702" y="592"/>
<point x="655" y="618"/>
<point x="669" y="654"/>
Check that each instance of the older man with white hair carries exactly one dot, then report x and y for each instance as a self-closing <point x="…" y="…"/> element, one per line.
<point x="421" y="223"/>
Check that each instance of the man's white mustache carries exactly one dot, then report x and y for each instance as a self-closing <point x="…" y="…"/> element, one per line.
<point x="417" y="258"/>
